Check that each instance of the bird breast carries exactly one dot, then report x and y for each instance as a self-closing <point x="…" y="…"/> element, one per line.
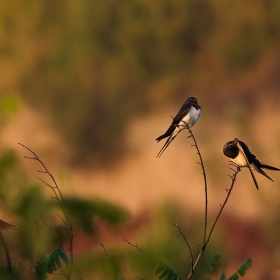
<point x="192" y="116"/>
<point x="190" y="119"/>
<point x="240" y="159"/>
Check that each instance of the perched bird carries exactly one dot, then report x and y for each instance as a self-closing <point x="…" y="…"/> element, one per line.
<point x="240" y="154"/>
<point x="188" y="115"/>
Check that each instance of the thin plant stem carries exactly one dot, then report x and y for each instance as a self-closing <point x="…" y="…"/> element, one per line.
<point x="233" y="179"/>
<point x="131" y="244"/>
<point x="59" y="197"/>
<point x="106" y="252"/>
<point x="185" y="239"/>
<point x="206" y="235"/>
<point x="205" y="185"/>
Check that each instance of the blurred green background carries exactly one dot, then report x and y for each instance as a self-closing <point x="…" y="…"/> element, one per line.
<point x="92" y="66"/>
<point x="105" y="76"/>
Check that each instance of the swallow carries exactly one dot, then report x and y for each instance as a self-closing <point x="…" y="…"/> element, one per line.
<point x="240" y="154"/>
<point x="188" y="115"/>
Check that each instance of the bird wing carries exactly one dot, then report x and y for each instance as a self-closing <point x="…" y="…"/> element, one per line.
<point x="176" y="120"/>
<point x="240" y="146"/>
<point x="257" y="166"/>
<point x="264" y="165"/>
<point x="166" y="144"/>
<point x="182" y="112"/>
<point x="254" y="161"/>
<point x="250" y="157"/>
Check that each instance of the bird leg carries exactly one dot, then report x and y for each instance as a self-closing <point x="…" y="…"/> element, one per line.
<point x="235" y="165"/>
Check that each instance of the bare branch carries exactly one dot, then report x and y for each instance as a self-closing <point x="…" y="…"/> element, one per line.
<point x="134" y="245"/>
<point x="59" y="197"/>
<point x="47" y="184"/>
<point x="101" y="244"/>
<point x="185" y="239"/>
<point x="65" y="223"/>
<point x="205" y="183"/>
<point x="222" y="206"/>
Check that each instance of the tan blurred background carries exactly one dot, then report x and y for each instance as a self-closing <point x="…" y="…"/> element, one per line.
<point x="89" y="85"/>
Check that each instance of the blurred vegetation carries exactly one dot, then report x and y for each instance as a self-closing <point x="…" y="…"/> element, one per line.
<point x="35" y="216"/>
<point x="39" y="231"/>
<point x="39" y="248"/>
<point x="157" y="242"/>
<point x="94" y="64"/>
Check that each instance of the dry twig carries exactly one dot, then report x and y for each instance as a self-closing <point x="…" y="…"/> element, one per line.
<point x="59" y="197"/>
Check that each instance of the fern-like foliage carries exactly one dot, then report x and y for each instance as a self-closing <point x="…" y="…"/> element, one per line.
<point x="244" y="267"/>
<point x="241" y="271"/>
<point x="166" y="272"/>
<point x="50" y="263"/>
<point x="214" y="259"/>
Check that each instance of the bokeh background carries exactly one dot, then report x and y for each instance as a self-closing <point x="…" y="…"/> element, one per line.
<point x="89" y="86"/>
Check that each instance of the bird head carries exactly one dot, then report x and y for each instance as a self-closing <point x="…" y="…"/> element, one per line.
<point x="192" y="100"/>
<point x="230" y="149"/>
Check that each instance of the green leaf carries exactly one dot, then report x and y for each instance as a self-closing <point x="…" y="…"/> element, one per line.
<point x="50" y="263"/>
<point x="244" y="267"/>
<point x="241" y="271"/>
<point x="222" y="276"/>
<point x="41" y="267"/>
<point x="233" y="277"/>
<point x="214" y="259"/>
<point x="215" y="256"/>
<point x="160" y="268"/>
<point x="57" y="261"/>
<point x="63" y="255"/>
<point x="166" y="272"/>
<point x="172" y="275"/>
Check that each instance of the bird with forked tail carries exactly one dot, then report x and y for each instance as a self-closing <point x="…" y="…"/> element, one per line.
<point x="188" y="115"/>
<point x="240" y="155"/>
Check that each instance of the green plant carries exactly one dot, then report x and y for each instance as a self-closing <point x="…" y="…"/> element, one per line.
<point x="65" y="219"/>
<point x="240" y="272"/>
<point x="37" y="214"/>
<point x="166" y="272"/>
<point x="51" y="263"/>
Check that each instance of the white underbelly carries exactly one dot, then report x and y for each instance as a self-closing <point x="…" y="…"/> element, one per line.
<point x="191" y="118"/>
<point x="240" y="160"/>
